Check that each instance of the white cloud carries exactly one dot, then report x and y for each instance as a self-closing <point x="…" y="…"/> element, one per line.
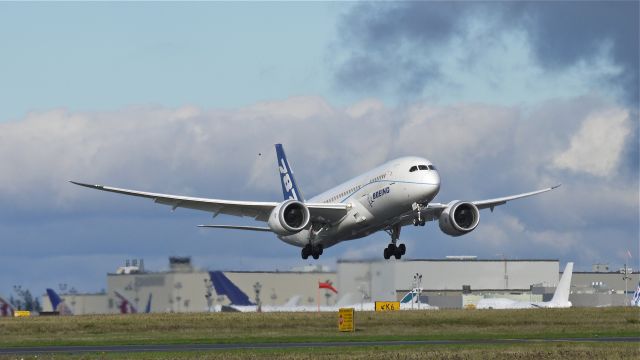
<point x="597" y="147"/>
<point x="482" y="151"/>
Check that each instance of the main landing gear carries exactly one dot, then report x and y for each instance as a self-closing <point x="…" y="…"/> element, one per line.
<point x="314" y="251"/>
<point x="392" y="249"/>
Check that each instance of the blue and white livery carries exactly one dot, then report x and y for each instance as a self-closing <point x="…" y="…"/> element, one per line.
<point x="388" y="197"/>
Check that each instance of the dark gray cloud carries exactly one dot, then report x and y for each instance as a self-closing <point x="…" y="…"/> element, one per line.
<point x="391" y="45"/>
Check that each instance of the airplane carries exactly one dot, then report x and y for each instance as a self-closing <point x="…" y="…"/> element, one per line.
<point x="240" y="301"/>
<point x="58" y="304"/>
<point x="127" y="306"/>
<point x="395" y="194"/>
<point x="6" y="309"/>
<point x="560" y="297"/>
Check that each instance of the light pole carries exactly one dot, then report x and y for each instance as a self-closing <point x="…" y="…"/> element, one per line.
<point x="417" y="288"/>
<point x="257" y="287"/>
<point x="208" y="285"/>
<point x="625" y="276"/>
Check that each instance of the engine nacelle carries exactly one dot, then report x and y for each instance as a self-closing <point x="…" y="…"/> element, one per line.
<point x="289" y="217"/>
<point x="459" y="218"/>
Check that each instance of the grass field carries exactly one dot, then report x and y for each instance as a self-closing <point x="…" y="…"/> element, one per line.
<point x="303" y="327"/>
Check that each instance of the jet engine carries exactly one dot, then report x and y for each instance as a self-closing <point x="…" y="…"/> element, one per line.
<point x="289" y="217"/>
<point x="459" y="218"/>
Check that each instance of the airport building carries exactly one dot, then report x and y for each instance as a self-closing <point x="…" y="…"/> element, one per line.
<point x="454" y="282"/>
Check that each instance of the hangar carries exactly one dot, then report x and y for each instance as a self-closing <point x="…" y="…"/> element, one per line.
<point x="453" y="282"/>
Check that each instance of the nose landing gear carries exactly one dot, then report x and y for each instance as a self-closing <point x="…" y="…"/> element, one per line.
<point x="392" y="249"/>
<point x="418" y="220"/>
<point x="311" y="250"/>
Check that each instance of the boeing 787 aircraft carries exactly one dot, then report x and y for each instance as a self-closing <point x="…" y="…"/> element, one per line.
<point x="395" y="194"/>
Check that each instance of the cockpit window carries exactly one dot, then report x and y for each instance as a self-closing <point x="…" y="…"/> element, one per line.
<point x="431" y="167"/>
<point x="413" y="168"/>
<point x="422" y="167"/>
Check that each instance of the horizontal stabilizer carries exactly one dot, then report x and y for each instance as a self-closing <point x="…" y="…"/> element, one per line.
<point x="235" y="227"/>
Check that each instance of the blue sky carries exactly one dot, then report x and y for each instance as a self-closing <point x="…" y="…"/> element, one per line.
<point x="504" y="97"/>
<point x="108" y="55"/>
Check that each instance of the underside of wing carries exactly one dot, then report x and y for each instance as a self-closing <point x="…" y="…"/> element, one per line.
<point x="327" y="213"/>
<point x="258" y="210"/>
<point x="432" y="211"/>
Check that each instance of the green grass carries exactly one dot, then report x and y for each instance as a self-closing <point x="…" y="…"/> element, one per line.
<point x="300" y="327"/>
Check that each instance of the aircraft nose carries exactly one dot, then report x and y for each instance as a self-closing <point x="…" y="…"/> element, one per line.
<point x="432" y="178"/>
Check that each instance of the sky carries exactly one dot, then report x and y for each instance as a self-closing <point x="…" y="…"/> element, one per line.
<point x="189" y="98"/>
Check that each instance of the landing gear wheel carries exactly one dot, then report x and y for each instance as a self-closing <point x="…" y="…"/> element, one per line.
<point x="386" y="254"/>
<point x="306" y="251"/>
<point x="320" y="250"/>
<point x="402" y="248"/>
<point x="315" y="255"/>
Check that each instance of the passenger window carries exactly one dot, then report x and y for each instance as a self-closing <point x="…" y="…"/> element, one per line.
<point x="422" y="167"/>
<point x="413" y="168"/>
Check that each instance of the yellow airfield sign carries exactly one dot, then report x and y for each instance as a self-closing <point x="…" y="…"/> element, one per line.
<point x="387" y="305"/>
<point x="22" y="313"/>
<point x="346" y="321"/>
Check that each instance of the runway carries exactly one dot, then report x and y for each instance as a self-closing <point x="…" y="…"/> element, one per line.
<point x="285" y="345"/>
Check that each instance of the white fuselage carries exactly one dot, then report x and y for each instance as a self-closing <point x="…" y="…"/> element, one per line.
<point x="375" y="198"/>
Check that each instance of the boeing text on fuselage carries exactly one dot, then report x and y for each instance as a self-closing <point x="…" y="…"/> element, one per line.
<point x="395" y="194"/>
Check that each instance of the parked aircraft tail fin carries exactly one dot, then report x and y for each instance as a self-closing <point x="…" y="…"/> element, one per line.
<point x="5" y="308"/>
<point x="147" y="308"/>
<point x="224" y="286"/>
<point x="561" y="295"/>
<point x="290" y="189"/>
<point x="636" y="297"/>
<point x="57" y="303"/>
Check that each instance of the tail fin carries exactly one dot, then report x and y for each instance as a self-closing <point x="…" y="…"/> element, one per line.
<point x="636" y="297"/>
<point x="125" y="305"/>
<point x="58" y="304"/>
<point x="410" y="297"/>
<point x="147" y="309"/>
<point x="561" y="295"/>
<point x="5" y="308"/>
<point x="224" y="286"/>
<point x="289" y="187"/>
<point x="54" y="298"/>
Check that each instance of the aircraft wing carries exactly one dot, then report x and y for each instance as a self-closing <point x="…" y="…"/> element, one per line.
<point x="433" y="210"/>
<point x="258" y="210"/>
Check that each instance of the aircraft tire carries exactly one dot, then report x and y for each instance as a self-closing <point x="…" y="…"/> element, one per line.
<point x="397" y="254"/>
<point x="402" y="248"/>
<point x="386" y="254"/>
<point x="305" y="252"/>
<point x="316" y="256"/>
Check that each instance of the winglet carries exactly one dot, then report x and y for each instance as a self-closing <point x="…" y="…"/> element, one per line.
<point x="290" y="189"/>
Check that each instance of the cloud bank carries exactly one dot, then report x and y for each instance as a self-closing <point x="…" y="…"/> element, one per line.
<point x="482" y="151"/>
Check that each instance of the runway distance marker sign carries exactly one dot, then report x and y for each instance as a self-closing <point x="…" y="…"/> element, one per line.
<point x="387" y="305"/>
<point x="346" y="319"/>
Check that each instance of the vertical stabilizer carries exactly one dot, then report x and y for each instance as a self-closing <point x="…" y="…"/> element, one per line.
<point x="290" y="189"/>
<point x="636" y="297"/>
<point x="561" y="295"/>
<point x="58" y="304"/>
<point x="147" y="309"/>
<point x="224" y="286"/>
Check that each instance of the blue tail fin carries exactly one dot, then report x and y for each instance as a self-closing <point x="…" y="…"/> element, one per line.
<point x="290" y="189"/>
<point x="224" y="286"/>
<point x="147" y="309"/>
<point x="54" y="298"/>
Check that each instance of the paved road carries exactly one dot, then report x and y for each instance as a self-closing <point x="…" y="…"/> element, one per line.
<point x="213" y="347"/>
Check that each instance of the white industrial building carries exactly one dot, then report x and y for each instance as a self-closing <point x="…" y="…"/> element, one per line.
<point x="448" y="283"/>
